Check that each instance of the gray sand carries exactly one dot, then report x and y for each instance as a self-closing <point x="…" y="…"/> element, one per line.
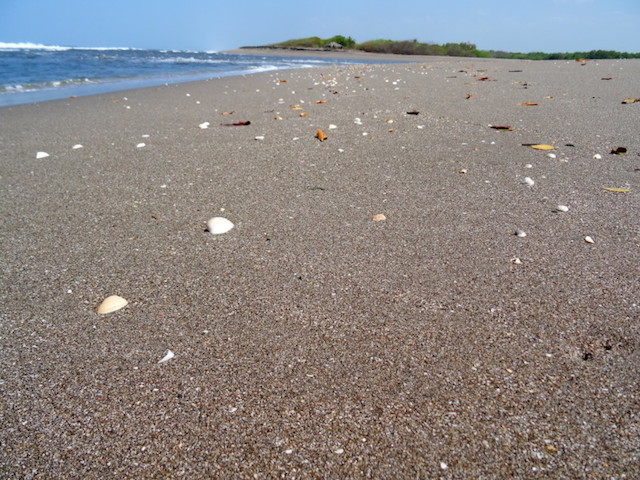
<point x="311" y="341"/>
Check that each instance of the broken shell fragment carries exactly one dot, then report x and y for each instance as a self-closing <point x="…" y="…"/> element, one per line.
<point x="40" y="155"/>
<point x="204" y="125"/>
<point x="597" y="156"/>
<point x="111" y="304"/>
<point x="218" y="225"/>
<point x="562" y="208"/>
<point x="521" y="233"/>
<point x="168" y="356"/>
<point x="76" y="147"/>
<point x="528" y="181"/>
<point x="379" y="217"/>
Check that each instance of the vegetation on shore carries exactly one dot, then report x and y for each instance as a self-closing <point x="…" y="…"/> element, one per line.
<point x="464" y="49"/>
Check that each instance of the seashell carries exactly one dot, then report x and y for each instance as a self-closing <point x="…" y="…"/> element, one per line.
<point x="332" y="126"/>
<point x="516" y="260"/>
<point x="204" y="125"/>
<point x="588" y="239"/>
<point x="528" y="181"/>
<point x="562" y="208"/>
<point x="111" y="304"/>
<point x="379" y="217"/>
<point x="521" y="233"/>
<point x="76" y="147"/>
<point x="597" y="156"/>
<point x="320" y="135"/>
<point x="551" y="155"/>
<point x="259" y="137"/>
<point x="40" y="155"/>
<point x="339" y="451"/>
<point x="463" y="170"/>
<point x="167" y="357"/>
<point x="218" y="225"/>
<point x="141" y="145"/>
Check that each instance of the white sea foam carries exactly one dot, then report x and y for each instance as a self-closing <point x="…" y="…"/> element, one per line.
<point x="54" y="48"/>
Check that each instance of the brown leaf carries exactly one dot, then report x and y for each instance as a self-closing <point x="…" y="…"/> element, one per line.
<point x="503" y="128"/>
<point x="320" y="102"/>
<point x="320" y="135"/>
<point x="237" y="124"/>
<point x="468" y="96"/>
<point x="528" y="104"/>
<point x="227" y="113"/>
<point x="413" y="112"/>
<point x="619" y="151"/>
<point x="631" y="100"/>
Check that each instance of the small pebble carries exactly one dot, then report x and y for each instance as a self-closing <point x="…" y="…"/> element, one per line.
<point x="528" y="181"/>
<point x="339" y="451"/>
<point x="562" y="208"/>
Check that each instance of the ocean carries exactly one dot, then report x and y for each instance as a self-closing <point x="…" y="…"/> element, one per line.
<point x="33" y="73"/>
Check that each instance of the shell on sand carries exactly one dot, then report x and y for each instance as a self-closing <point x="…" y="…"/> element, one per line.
<point x="40" y="155"/>
<point x="379" y="217"/>
<point x="167" y="357"/>
<point x="218" y="225"/>
<point x="111" y="304"/>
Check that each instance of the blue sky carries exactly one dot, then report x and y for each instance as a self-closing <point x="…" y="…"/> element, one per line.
<point x="513" y="25"/>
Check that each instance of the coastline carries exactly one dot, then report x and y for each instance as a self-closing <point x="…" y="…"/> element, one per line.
<point x="311" y="341"/>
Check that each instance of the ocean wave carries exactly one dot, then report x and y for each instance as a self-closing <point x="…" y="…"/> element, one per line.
<point x="53" y="48"/>
<point x="33" y="87"/>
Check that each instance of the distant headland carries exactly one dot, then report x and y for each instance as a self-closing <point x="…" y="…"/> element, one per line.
<point x="339" y="43"/>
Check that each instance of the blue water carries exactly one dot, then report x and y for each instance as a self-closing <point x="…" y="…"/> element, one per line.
<point x="33" y="73"/>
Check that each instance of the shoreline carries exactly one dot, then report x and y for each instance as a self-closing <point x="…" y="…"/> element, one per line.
<point x="317" y="338"/>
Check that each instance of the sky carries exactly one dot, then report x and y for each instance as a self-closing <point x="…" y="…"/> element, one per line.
<point x="216" y="25"/>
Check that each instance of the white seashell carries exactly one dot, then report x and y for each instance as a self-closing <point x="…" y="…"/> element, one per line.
<point x="76" y="147"/>
<point x="517" y="261"/>
<point x="168" y="356"/>
<point x="521" y="233"/>
<point x="443" y="466"/>
<point x="218" y="225"/>
<point x="597" y="156"/>
<point x="42" y="155"/>
<point x="111" y="304"/>
<point x="588" y="239"/>
<point x="551" y="155"/>
<point x="528" y="181"/>
<point x="140" y="145"/>
<point x="332" y="126"/>
<point x="260" y="137"/>
<point x="146" y="135"/>
<point x="204" y="125"/>
<point x="339" y="451"/>
<point x="562" y="208"/>
<point x="528" y="165"/>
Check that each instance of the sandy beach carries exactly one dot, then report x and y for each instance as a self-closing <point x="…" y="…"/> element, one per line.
<point x="313" y="341"/>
